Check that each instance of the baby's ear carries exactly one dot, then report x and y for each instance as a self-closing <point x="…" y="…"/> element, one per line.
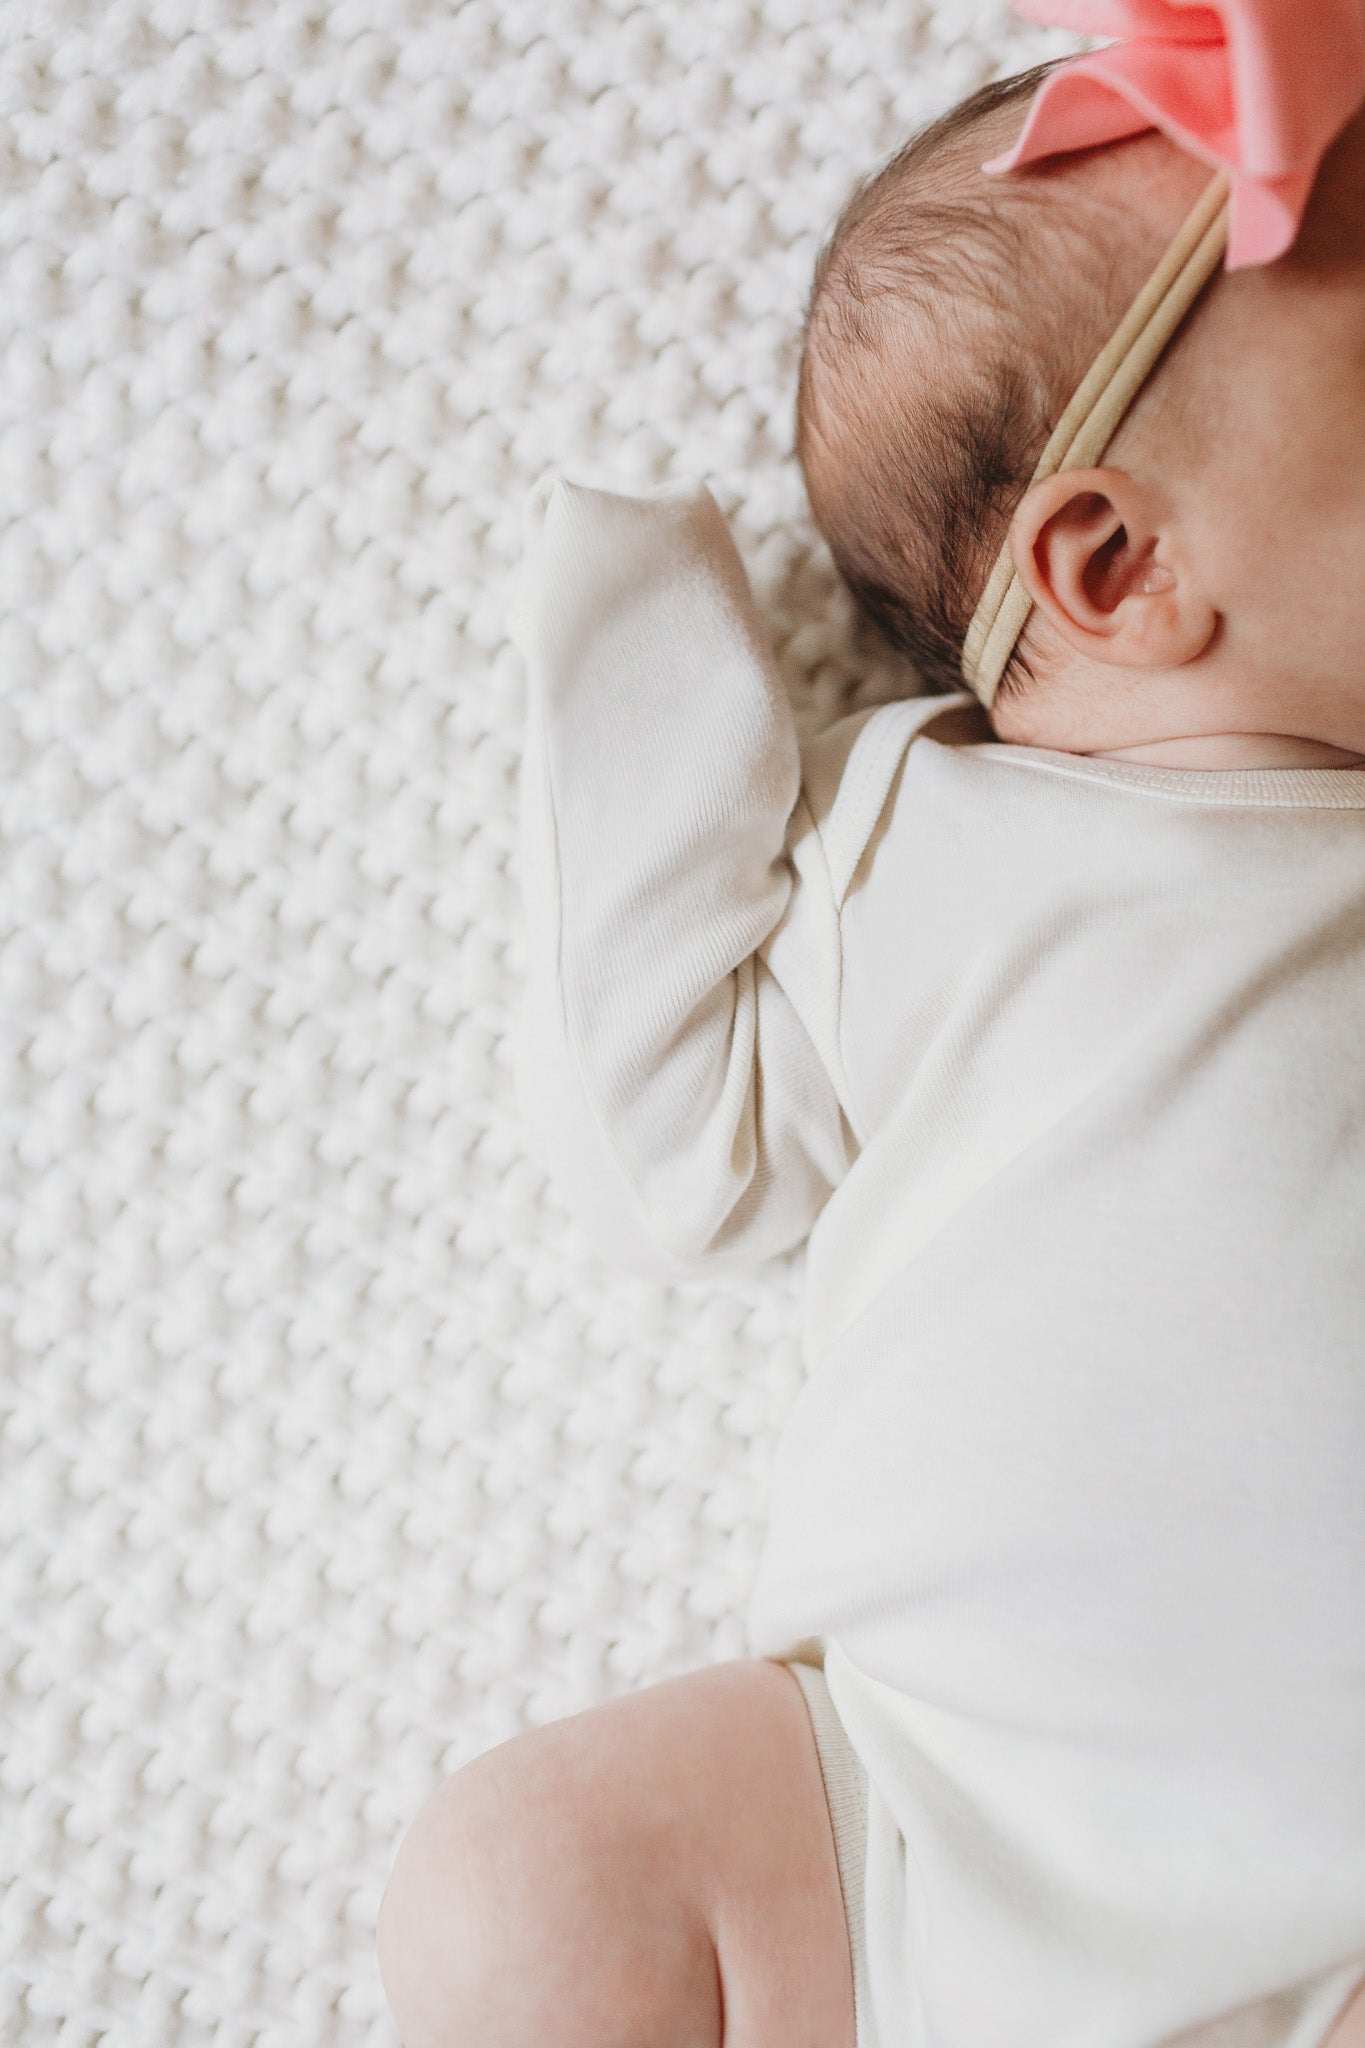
<point x="1089" y="549"/>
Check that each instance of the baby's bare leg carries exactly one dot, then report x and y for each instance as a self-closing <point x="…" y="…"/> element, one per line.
<point x="658" y="1872"/>
<point x="1349" y="2030"/>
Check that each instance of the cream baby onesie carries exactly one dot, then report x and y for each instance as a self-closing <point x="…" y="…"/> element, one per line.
<point x="1058" y="1062"/>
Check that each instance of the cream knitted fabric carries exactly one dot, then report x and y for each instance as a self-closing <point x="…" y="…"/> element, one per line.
<point x="329" y="1454"/>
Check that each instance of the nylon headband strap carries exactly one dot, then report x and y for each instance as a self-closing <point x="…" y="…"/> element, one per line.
<point x="1090" y="421"/>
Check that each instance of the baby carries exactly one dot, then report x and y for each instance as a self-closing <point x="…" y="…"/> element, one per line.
<point x="1046" y="1031"/>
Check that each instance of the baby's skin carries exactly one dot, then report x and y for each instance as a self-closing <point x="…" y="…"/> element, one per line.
<point x="1199" y="597"/>
<point x="660" y="1871"/>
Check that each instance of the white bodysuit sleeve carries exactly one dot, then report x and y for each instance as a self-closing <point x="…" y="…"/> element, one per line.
<point x="678" y="1059"/>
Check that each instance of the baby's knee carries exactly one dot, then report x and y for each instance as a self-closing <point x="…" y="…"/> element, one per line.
<point x="439" y="1946"/>
<point x="523" y="1907"/>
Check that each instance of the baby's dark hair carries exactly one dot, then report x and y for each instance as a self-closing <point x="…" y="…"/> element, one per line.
<point x="938" y="354"/>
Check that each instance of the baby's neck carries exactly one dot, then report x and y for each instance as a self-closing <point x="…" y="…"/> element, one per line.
<point x="1236" y="750"/>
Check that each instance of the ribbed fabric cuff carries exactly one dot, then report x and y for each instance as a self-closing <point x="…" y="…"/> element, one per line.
<point x="846" y="1796"/>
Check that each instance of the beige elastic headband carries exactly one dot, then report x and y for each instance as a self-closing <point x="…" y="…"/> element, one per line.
<point x="1090" y="421"/>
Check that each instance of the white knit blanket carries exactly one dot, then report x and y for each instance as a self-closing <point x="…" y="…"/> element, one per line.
<point x="328" y="1454"/>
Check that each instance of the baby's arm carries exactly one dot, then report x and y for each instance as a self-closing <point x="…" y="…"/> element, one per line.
<point x="678" y="1065"/>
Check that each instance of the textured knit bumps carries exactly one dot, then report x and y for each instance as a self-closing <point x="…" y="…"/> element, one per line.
<point x="328" y="1455"/>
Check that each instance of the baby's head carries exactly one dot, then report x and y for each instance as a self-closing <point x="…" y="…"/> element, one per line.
<point x="1208" y="579"/>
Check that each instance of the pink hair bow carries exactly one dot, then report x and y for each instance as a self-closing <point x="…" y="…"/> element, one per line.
<point x="1260" y="87"/>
